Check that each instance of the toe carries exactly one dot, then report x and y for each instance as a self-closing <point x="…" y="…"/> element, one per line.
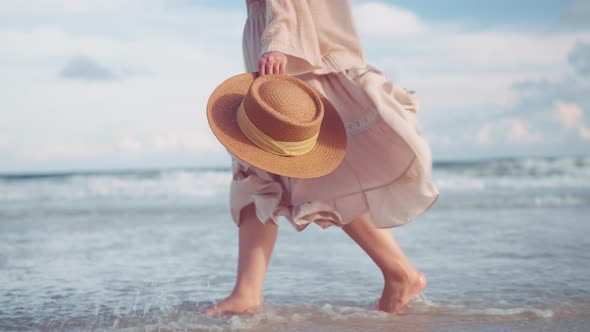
<point x="212" y="310"/>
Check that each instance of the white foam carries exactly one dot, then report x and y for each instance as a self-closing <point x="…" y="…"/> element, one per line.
<point x="462" y="183"/>
<point x="424" y="305"/>
<point x="167" y="185"/>
<point x="338" y="312"/>
<point x="515" y="312"/>
<point x="530" y="200"/>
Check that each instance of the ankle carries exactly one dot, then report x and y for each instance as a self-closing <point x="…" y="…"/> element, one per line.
<point x="253" y="297"/>
<point x="400" y="275"/>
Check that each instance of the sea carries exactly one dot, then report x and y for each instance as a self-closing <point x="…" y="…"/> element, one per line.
<point x="505" y="248"/>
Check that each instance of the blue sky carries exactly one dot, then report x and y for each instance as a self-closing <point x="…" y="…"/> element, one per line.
<point x="124" y="83"/>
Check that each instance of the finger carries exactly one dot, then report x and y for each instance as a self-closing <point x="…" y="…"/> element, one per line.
<point x="277" y="68"/>
<point x="282" y="67"/>
<point x="268" y="67"/>
<point x="262" y="67"/>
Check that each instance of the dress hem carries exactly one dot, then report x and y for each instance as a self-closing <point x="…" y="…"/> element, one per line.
<point x="325" y="214"/>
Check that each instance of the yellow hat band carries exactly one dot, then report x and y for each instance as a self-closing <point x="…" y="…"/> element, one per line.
<point x="269" y="144"/>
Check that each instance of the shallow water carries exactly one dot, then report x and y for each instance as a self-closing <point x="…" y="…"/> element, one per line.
<point x="505" y="248"/>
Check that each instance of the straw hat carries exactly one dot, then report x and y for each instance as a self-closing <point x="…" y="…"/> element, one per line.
<point x="277" y="123"/>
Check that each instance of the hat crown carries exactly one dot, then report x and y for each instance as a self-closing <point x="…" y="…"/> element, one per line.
<point x="288" y="99"/>
<point x="284" y="108"/>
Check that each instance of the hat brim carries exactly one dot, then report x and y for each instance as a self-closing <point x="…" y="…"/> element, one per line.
<point x="325" y="157"/>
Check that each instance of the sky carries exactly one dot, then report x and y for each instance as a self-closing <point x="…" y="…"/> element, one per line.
<point x="110" y="84"/>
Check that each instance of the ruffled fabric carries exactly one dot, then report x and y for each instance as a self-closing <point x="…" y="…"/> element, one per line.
<point x="270" y="195"/>
<point x="386" y="175"/>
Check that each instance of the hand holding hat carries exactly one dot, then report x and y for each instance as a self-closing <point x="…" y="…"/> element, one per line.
<point x="272" y="62"/>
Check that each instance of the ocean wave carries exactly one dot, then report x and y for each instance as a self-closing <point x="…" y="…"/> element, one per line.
<point x="456" y="182"/>
<point x="537" y="181"/>
<point x="529" y="167"/>
<point x="511" y="201"/>
<point x="141" y="185"/>
<point x="513" y="174"/>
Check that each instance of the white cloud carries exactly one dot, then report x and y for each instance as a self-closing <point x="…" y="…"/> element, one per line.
<point x="445" y="140"/>
<point x="520" y="133"/>
<point x="483" y="134"/>
<point x="130" y="145"/>
<point x="148" y="51"/>
<point x="451" y="65"/>
<point x="467" y="79"/>
<point x="383" y="20"/>
<point x="440" y="140"/>
<point x="584" y="132"/>
<point x="53" y="119"/>
<point x="502" y="48"/>
<point x="570" y="115"/>
<point x="514" y="130"/>
<point x="189" y="142"/>
<point x="66" y="151"/>
<point x="62" y="7"/>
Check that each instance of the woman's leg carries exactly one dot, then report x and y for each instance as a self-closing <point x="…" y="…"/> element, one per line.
<point x="256" y="241"/>
<point x="402" y="281"/>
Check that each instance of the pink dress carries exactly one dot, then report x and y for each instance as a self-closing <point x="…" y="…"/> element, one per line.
<point x="386" y="174"/>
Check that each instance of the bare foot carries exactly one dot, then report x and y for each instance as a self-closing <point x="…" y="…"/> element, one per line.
<point x="234" y="304"/>
<point x="397" y="294"/>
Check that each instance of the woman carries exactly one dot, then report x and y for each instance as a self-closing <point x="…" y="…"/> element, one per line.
<point x="385" y="178"/>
